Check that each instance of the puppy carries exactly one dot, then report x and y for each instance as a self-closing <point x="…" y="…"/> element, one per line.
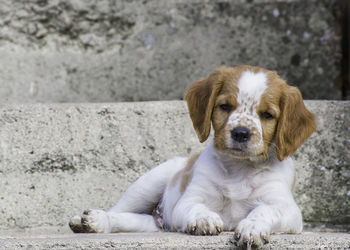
<point x="241" y="182"/>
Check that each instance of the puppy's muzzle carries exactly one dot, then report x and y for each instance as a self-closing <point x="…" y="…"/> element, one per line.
<point x="240" y="135"/>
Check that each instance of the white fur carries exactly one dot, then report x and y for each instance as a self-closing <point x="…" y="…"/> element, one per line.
<point x="253" y="198"/>
<point x="251" y="85"/>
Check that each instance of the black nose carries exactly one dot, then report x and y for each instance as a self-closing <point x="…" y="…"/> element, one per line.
<point x="240" y="134"/>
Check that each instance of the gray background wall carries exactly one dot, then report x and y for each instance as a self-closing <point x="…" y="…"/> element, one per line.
<point x="106" y="51"/>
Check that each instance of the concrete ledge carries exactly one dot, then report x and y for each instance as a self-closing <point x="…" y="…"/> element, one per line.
<point x="58" y="159"/>
<point x="170" y="241"/>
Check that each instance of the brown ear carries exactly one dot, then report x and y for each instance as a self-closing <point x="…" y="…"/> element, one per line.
<point x="295" y="125"/>
<point x="200" y="98"/>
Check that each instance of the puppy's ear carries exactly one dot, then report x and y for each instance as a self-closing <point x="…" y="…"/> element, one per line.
<point x="295" y="125"/>
<point x="200" y="98"/>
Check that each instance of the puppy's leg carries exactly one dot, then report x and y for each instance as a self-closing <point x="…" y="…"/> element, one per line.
<point x="134" y="206"/>
<point x="191" y="215"/>
<point x="144" y="194"/>
<point x="99" y="221"/>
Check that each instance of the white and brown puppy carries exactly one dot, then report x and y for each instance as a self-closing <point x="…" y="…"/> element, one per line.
<point x="241" y="182"/>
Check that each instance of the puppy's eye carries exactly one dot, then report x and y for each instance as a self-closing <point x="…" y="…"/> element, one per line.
<point x="266" y="116"/>
<point x="225" y="107"/>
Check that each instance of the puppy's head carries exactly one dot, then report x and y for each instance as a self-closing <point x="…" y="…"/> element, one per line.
<point x="253" y="112"/>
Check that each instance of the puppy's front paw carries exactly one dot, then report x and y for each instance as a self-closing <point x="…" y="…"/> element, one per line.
<point x="251" y="234"/>
<point x="91" y="221"/>
<point x="208" y="223"/>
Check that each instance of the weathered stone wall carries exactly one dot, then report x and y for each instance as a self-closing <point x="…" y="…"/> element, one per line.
<point x="56" y="160"/>
<point x="132" y="50"/>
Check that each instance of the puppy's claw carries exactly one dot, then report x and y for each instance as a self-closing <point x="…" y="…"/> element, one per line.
<point x="193" y="230"/>
<point x="266" y="240"/>
<point x="237" y="236"/>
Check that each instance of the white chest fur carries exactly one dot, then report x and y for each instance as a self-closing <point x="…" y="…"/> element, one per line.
<point x="234" y="188"/>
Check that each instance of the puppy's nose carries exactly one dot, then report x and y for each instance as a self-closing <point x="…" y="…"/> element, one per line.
<point x="240" y="134"/>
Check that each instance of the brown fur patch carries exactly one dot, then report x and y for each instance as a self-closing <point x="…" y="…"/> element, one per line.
<point x="200" y="98"/>
<point x="294" y="182"/>
<point x="187" y="172"/>
<point x="270" y="102"/>
<point x="295" y="125"/>
<point x="184" y="175"/>
<point x="175" y="179"/>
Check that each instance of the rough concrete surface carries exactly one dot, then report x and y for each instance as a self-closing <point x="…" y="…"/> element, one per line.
<point x="323" y="166"/>
<point x="132" y="50"/>
<point x="170" y="241"/>
<point x="57" y="160"/>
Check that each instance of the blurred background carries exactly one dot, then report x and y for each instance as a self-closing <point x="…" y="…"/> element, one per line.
<point x="141" y="50"/>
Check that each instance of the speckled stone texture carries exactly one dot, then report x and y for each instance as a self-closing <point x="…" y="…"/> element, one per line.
<point x="133" y="50"/>
<point x="57" y="160"/>
<point x="323" y="166"/>
<point x="169" y="241"/>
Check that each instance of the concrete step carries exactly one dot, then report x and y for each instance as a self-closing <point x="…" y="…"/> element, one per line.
<point x="306" y="240"/>
<point x="58" y="159"/>
<point x="105" y="51"/>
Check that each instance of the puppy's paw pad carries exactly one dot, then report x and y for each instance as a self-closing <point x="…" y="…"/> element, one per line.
<point x="91" y="221"/>
<point x="251" y="234"/>
<point x="205" y="224"/>
<point x="76" y="225"/>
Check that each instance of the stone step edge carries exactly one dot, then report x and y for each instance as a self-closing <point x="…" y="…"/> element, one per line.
<point x="162" y="240"/>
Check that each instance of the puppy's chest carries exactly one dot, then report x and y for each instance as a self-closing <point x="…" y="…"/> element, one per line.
<point x="237" y="201"/>
<point x="236" y="190"/>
